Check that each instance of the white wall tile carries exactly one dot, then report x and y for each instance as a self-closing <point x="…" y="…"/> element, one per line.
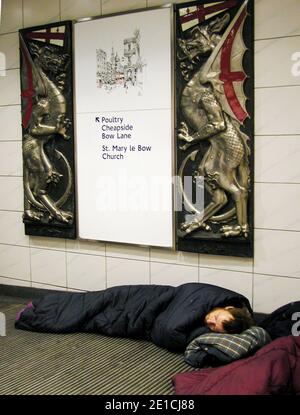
<point x="114" y="6"/>
<point x="11" y="16"/>
<point x="152" y="3"/>
<point x="37" y="14"/>
<point x="277" y="206"/>
<point x="12" y="229"/>
<point x="277" y="159"/>
<point x="11" y="193"/>
<point x="11" y="162"/>
<point x="126" y="272"/>
<point x="272" y="292"/>
<point x="15" y="262"/>
<point x="9" y="45"/>
<point x="81" y="246"/>
<point x="239" y="282"/>
<point x="277" y="253"/>
<point x="275" y="18"/>
<point x="15" y="282"/>
<point x="277" y="111"/>
<point x="48" y="267"/>
<point x="273" y="62"/>
<point x="173" y="257"/>
<point x="127" y="251"/>
<point x="10" y="121"/>
<point x="226" y="262"/>
<point x="44" y="242"/>
<point x="75" y="9"/>
<point x="10" y="88"/>
<point x="86" y="272"/>
<point x="172" y="274"/>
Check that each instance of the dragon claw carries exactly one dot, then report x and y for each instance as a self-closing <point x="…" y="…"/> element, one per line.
<point x="235" y="230"/>
<point x="228" y="231"/>
<point x="183" y="133"/>
<point x="189" y="227"/>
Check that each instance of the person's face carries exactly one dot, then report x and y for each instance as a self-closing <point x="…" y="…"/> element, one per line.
<point x="214" y="319"/>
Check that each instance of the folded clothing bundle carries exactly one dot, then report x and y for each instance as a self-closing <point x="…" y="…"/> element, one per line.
<point x="214" y="349"/>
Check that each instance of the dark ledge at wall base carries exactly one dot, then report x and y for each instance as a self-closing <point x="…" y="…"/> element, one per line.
<point x="24" y="292"/>
<point x="53" y="232"/>
<point x="230" y="248"/>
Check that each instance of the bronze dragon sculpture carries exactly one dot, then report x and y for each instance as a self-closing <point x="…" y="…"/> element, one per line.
<point x="225" y="165"/>
<point x="47" y="123"/>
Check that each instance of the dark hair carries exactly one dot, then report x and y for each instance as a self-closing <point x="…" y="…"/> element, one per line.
<point x="241" y="322"/>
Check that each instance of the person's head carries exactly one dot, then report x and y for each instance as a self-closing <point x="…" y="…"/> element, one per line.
<point x="229" y="319"/>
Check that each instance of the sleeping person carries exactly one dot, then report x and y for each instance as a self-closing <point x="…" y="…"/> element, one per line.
<point x="231" y="320"/>
<point x="168" y="316"/>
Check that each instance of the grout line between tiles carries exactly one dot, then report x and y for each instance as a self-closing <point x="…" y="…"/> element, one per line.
<point x="275" y="38"/>
<point x="105" y="255"/>
<point x="10" y="210"/>
<point x="15" y="279"/>
<point x="59" y="5"/>
<point x="276" y="86"/>
<point x="277" y="230"/>
<point x="226" y="269"/>
<point x="283" y="183"/>
<point x="30" y="264"/>
<point x="277" y="135"/>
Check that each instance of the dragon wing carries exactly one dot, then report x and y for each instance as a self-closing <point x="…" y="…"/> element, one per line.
<point x="32" y="84"/>
<point x="224" y="68"/>
<point x="33" y="81"/>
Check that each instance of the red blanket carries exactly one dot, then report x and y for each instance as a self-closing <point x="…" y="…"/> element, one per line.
<point x="274" y="369"/>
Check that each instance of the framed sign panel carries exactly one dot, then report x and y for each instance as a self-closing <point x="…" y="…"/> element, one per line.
<point x="215" y="125"/>
<point x="124" y="128"/>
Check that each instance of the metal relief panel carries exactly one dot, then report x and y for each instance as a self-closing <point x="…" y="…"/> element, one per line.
<point x="214" y="102"/>
<point x="47" y="123"/>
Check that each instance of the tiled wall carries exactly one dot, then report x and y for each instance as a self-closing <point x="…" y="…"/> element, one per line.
<point x="271" y="280"/>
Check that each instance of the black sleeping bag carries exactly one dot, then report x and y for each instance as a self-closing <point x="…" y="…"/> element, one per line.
<point x="169" y="316"/>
